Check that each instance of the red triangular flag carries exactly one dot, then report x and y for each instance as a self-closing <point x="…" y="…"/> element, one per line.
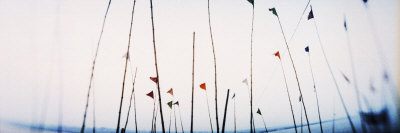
<point x="176" y="103"/>
<point x="154" y="79"/>
<point x="171" y="92"/>
<point x="151" y="94"/>
<point x="278" y="55"/>
<point x="203" y="86"/>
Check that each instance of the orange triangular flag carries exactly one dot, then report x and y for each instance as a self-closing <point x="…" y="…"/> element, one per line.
<point x="154" y="79"/>
<point x="278" y="55"/>
<point x="203" y="86"/>
<point x="150" y="94"/>
<point x="171" y="92"/>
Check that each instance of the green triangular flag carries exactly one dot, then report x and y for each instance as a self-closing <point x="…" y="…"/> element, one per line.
<point x="259" y="111"/>
<point x="170" y="104"/>
<point x="273" y="10"/>
<point x="251" y="2"/>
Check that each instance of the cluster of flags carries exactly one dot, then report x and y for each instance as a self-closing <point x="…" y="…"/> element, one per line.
<point x="245" y="81"/>
<point x="171" y="92"/>
<point x="151" y="93"/>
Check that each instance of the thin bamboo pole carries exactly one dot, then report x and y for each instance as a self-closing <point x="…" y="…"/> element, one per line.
<point x="215" y="66"/>
<point x="126" y="67"/>
<point x="94" y="112"/>
<point x="180" y="117"/>
<point x="334" y="114"/>
<point x="191" y="113"/>
<point x="176" y="127"/>
<point x="334" y="79"/>
<point x="155" y="62"/>
<point x="265" y="125"/>
<point x="130" y="101"/>
<point x="301" y="118"/>
<point x="93" y="66"/>
<point x="355" y="83"/>
<point x="209" y="114"/>
<point x="152" y="118"/>
<point x="134" y="104"/>
<point x="234" y="114"/>
<point x="252" y="128"/>
<point x="170" y="118"/>
<point x="290" y="101"/>
<point x="316" y="94"/>
<point x="155" y="119"/>
<point x="295" y="72"/>
<point x="226" y="108"/>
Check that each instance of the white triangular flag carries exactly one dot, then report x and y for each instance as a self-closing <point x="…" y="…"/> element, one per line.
<point x="245" y="81"/>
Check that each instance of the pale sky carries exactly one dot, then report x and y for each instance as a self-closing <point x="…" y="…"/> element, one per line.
<point x="47" y="47"/>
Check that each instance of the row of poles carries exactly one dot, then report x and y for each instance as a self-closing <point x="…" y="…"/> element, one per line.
<point x="252" y="128"/>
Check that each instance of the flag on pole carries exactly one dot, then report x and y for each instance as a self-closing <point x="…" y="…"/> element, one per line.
<point x="170" y="104"/>
<point x="310" y="15"/>
<point x="234" y="94"/>
<point x="154" y="79"/>
<point x="277" y="54"/>
<point x="345" y="77"/>
<point x="372" y="87"/>
<point x="300" y="98"/>
<point x="245" y="81"/>
<point x="171" y="91"/>
<point x="307" y="49"/>
<point x="124" y="56"/>
<point x="345" y="24"/>
<point x="150" y="94"/>
<point x="203" y="86"/>
<point x="385" y="76"/>
<point x="259" y="111"/>
<point x="251" y="2"/>
<point x="176" y="103"/>
<point x="273" y="10"/>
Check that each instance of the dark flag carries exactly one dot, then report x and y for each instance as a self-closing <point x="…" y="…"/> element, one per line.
<point x="345" y="77"/>
<point x="259" y="111"/>
<point x="365" y="1"/>
<point x="310" y="15"/>
<point x="176" y="103"/>
<point x="307" y="49"/>
<point x="151" y="94"/>
<point x="345" y="24"/>
<point x="170" y="104"/>
<point x="251" y="2"/>
<point x="273" y="10"/>
<point x="154" y="79"/>
<point x="300" y="97"/>
<point x="385" y="76"/>
<point x="277" y="54"/>
<point x="372" y="87"/>
<point x="233" y="95"/>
